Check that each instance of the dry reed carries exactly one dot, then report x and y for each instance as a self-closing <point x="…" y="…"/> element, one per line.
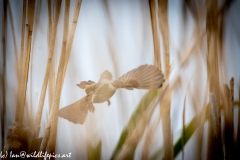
<point x="50" y="132"/>
<point x="66" y="50"/>
<point x="3" y="76"/>
<point x="22" y="37"/>
<point x="25" y="64"/>
<point x="163" y="23"/>
<point x="72" y="32"/>
<point x="59" y="82"/>
<point x="49" y="67"/>
<point x="216" y="151"/>
<point x="166" y="120"/>
<point x="51" y="80"/>
<point x="228" y="124"/>
<point x="156" y="44"/>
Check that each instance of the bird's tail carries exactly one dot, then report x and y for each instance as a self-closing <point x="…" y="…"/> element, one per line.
<point x="143" y="77"/>
<point x="76" y="112"/>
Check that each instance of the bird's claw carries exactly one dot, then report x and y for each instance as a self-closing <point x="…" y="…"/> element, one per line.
<point x="109" y="103"/>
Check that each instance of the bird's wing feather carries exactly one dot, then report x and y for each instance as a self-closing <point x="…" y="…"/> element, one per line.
<point x="83" y="84"/>
<point x="76" y="112"/>
<point x="143" y="77"/>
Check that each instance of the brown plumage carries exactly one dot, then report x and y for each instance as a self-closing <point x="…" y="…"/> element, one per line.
<point x="143" y="77"/>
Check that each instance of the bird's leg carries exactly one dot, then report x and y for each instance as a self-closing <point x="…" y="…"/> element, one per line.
<point x="109" y="103"/>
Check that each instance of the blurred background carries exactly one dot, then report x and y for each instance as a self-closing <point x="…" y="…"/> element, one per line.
<point x="48" y="47"/>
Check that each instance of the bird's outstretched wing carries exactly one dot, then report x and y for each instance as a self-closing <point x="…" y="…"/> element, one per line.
<point x="83" y="84"/>
<point x="76" y="112"/>
<point x="143" y="77"/>
<point x="89" y="86"/>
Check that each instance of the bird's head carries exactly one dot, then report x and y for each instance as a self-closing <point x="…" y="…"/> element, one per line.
<point x="106" y="74"/>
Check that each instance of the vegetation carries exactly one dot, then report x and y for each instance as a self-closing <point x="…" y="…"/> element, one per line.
<point x="213" y="114"/>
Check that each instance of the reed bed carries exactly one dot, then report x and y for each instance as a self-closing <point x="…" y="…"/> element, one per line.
<point x="3" y="75"/>
<point x="212" y="99"/>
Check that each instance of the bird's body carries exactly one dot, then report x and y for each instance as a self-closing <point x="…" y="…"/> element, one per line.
<point x="143" y="77"/>
<point x="104" y="91"/>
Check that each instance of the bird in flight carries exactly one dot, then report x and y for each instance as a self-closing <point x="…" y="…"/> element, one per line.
<point x="143" y="77"/>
